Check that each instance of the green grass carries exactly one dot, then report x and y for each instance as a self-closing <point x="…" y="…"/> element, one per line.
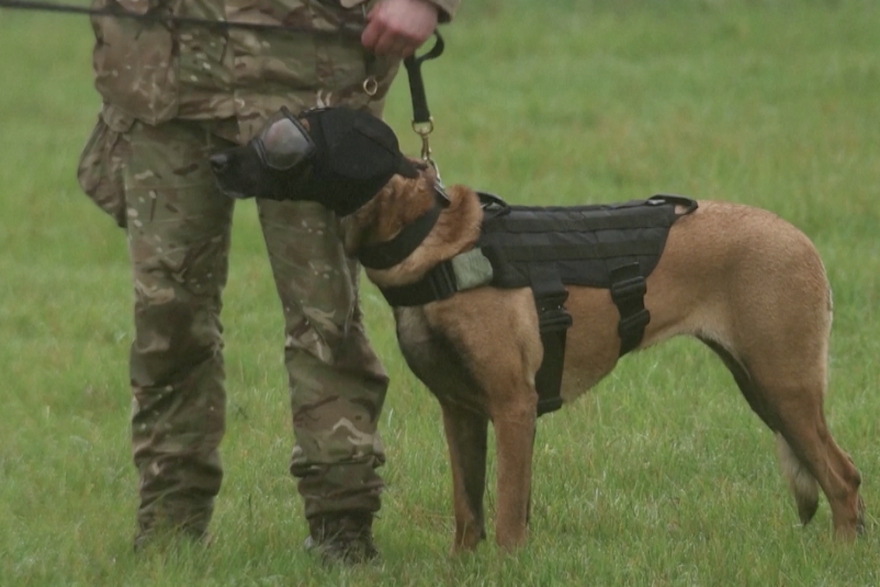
<point x="661" y="476"/>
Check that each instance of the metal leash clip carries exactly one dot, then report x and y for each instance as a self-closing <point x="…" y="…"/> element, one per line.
<point x="423" y="129"/>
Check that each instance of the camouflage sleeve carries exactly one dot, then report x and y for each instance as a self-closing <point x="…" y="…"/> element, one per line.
<point x="446" y="8"/>
<point x="134" y="6"/>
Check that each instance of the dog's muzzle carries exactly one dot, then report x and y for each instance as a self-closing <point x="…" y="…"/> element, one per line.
<point x="335" y="156"/>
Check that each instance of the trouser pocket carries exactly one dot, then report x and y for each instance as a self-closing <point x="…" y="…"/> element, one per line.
<point x="101" y="163"/>
<point x="135" y="63"/>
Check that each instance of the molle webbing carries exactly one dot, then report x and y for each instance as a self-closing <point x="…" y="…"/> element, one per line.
<point x="583" y="244"/>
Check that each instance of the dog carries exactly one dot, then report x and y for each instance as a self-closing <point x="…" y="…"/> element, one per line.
<point x="745" y="282"/>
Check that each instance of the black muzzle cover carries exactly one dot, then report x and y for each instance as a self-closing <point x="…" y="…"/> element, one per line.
<point x="337" y="156"/>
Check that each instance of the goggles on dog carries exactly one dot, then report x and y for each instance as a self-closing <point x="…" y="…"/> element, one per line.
<point x="284" y="143"/>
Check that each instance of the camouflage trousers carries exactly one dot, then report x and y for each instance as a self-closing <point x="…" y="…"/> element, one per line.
<point x="178" y="228"/>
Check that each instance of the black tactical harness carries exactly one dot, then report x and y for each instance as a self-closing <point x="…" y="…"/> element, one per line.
<point x="611" y="246"/>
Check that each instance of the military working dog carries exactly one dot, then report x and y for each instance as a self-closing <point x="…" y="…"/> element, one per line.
<point x="742" y="280"/>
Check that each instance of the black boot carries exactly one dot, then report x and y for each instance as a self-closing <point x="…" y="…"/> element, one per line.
<point x="166" y="522"/>
<point x="144" y="537"/>
<point x="342" y="537"/>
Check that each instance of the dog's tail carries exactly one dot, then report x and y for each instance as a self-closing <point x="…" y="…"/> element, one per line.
<point x="801" y="482"/>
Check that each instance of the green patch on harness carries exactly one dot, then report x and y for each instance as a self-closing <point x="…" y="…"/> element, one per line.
<point x="471" y="269"/>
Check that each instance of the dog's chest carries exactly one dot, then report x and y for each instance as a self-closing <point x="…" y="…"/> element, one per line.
<point x="436" y="358"/>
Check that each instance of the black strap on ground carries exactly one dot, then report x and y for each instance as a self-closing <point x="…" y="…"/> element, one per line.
<point x="116" y="11"/>
<point x="413" y="64"/>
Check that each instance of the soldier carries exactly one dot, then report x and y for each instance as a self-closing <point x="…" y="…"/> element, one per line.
<point x="173" y="94"/>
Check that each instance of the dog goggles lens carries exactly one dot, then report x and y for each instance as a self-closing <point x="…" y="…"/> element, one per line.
<point x="284" y="143"/>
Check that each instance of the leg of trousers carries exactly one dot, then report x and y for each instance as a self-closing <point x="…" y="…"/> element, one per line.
<point x="179" y="235"/>
<point x="178" y="239"/>
<point x="337" y="386"/>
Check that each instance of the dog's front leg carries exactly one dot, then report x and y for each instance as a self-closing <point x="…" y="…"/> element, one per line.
<point x="466" y="433"/>
<point x="514" y="434"/>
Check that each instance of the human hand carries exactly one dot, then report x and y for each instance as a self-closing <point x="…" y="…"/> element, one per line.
<point x="396" y="28"/>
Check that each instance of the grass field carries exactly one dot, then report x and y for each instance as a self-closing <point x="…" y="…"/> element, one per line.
<point x="661" y="476"/>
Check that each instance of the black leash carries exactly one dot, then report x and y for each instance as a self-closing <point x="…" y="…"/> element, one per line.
<point x="153" y="16"/>
<point x="422" y="122"/>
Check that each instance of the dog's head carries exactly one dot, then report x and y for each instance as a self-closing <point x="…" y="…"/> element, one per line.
<point x="335" y="156"/>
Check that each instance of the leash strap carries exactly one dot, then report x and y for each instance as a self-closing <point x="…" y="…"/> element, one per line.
<point x="422" y="122"/>
<point x="413" y="64"/>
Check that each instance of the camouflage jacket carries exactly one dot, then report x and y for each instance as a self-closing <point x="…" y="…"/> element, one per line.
<point x="153" y="72"/>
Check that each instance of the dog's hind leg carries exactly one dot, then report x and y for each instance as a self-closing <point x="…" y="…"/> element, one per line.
<point x="787" y="389"/>
<point x="808" y="455"/>
<point x="792" y="407"/>
<point x="466" y="433"/>
<point x="803" y="485"/>
<point x="801" y="482"/>
<point x="811" y="450"/>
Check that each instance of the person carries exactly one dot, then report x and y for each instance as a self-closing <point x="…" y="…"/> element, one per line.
<point x="172" y="94"/>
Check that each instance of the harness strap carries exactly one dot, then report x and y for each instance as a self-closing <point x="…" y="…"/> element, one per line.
<point x="628" y="294"/>
<point x="464" y="271"/>
<point x="628" y="290"/>
<point x="437" y="284"/>
<point x="548" y="379"/>
<point x="553" y="323"/>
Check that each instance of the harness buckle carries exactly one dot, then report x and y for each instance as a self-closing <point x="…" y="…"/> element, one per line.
<point x="627" y="289"/>
<point x="442" y="281"/>
<point x="633" y="322"/>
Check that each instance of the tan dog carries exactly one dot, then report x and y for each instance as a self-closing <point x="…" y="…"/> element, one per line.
<point x="745" y="282"/>
<point x="742" y="280"/>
